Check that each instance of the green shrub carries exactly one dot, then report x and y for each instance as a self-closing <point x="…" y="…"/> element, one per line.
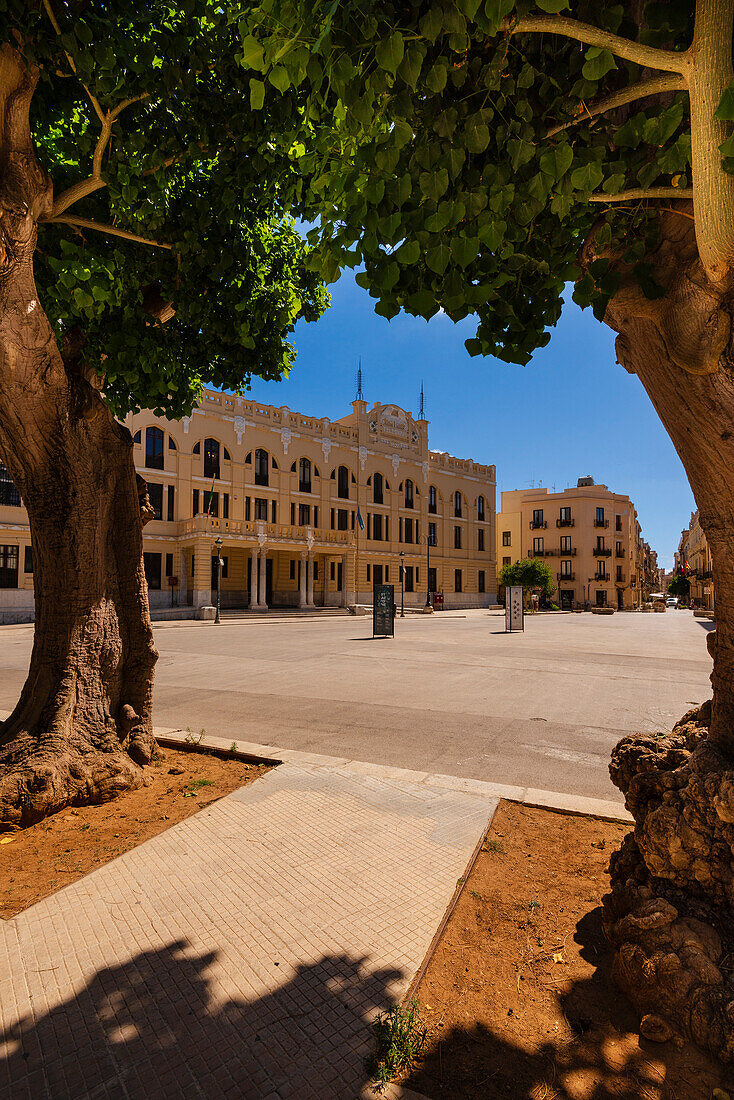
<point x="399" y="1039"/>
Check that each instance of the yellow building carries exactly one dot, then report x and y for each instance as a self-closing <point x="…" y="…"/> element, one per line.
<point x="285" y="493"/>
<point x="588" y="535"/>
<point x="694" y="558"/>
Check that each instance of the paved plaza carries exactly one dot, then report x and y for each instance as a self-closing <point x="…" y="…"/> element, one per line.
<point x="451" y="693"/>
<point x="244" y="952"/>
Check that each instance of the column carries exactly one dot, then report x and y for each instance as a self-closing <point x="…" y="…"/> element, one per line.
<point x="253" y="581"/>
<point x="345" y="584"/>
<point x="202" y="580"/>
<point x="309" y="581"/>
<point x="302" y="583"/>
<point x="327" y="566"/>
<point x="263" y="580"/>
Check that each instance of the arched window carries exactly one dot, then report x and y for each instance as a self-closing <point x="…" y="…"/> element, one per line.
<point x="261" y="467"/>
<point x="9" y="495"/>
<point x="480" y="508"/>
<point x="432" y="500"/>
<point x="154" y="448"/>
<point x="457" y="503"/>
<point x="342" y="489"/>
<point x="408" y="493"/>
<point x="196" y="450"/>
<point x="211" y="458"/>
<point x="172" y="444"/>
<point x="378" y="487"/>
<point x="136" y="437"/>
<point x="227" y="455"/>
<point x="304" y="476"/>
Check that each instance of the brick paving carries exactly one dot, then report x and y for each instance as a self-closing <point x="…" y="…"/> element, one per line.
<point x="242" y="953"/>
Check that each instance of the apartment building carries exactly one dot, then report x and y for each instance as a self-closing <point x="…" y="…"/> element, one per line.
<point x="285" y="493"/>
<point x="693" y="560"/>
<point x="587" y="534"/>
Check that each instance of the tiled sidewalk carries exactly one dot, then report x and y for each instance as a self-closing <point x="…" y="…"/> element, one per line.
<point x="243" y="952"/>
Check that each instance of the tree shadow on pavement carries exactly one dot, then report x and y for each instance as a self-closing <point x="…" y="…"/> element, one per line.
<point x="605" y="1060"/>
<point x="164" y="1025"/>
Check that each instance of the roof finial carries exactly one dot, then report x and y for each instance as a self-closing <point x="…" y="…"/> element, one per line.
<point x="422" y="408"/>
<point x="360" y="393"/>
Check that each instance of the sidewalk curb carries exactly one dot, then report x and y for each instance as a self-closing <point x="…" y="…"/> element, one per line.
<point x="577" y="805"/>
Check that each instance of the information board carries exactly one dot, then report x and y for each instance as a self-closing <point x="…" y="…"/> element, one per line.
<point x="513" y="609"/>
<point x="383" y="610"/>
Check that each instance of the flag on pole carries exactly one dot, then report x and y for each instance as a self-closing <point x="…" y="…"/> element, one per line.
<point x="360" y="521"/>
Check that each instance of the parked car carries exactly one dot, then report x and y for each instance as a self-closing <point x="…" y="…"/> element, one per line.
<point x="672" y="601"/>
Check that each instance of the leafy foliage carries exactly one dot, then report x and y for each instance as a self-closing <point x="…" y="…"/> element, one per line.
<point x="531" y="574"/>
<point x="184" y="166"/>
<point x="680" y="586"/>
<point x="399" y="1038"/>
<point x="428" y="139"/>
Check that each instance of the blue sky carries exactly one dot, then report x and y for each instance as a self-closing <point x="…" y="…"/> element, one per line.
<point x="572" y="411"/>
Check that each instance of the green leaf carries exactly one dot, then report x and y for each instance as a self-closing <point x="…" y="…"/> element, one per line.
<point x="436" y="78"/>
<point x="492" y="234"/>
<point x="252" y="54"/>
<point x="434" y="184"/>
<point x="497" y="11"/>
<point x="614" y="184"/>
<point x="557" y="161"/>
<point x="410" y="66"/>
<point x="552" y="6"/>
<point x="279" y="77"/>
<point x="725" y="110"/>
<point x="438" y="258"/>
<point x="257" y="94"/>
<point x="476" y="136"/>
<point x="408" y="253"/>
<point x="390" y="51"/>
<point x="660" y="128"/>
<point x="465" y="250"/>
<point x="598" y="63"/>
<point x="431" y="24"/>
<point x="587" y="178"/>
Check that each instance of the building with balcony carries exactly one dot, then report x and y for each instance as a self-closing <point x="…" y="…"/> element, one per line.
<point x="693" y="560"/>
<point x="588" y="535"/>
<point x="285" y="493"/>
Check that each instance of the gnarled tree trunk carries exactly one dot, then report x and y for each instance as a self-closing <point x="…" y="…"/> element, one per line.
<point x="82" y="727"/>
<point x="671" y="910"/>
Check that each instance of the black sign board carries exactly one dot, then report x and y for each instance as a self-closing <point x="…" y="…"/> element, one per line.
<point x="383" y="610"/>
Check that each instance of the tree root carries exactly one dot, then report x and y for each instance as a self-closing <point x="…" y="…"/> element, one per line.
<point x="669" y="913"/>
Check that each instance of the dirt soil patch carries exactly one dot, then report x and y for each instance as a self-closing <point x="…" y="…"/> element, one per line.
<point x="39" y="860"/>
<point x="518" y="999"/>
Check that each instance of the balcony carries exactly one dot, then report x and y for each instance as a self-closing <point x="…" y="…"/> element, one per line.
<point x="602" y="552"/>
<point x="619" y="554"/>
<point x="601" y="522"/>
<point x="538" y="526"/>
<point x="552" y="553"/>
<point x="602" y="577"/>
<point x="620" y="578"/>
<point x="537" y="553"/>
<point x="566" y="577"/>
<point x="565" y="523"/>
<point x="250" y="531"/>
<point x="570" y="553"/>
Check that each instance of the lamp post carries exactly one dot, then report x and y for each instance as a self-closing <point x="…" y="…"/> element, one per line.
<point x="402" y="584"/>
<point x="218" y="544"/>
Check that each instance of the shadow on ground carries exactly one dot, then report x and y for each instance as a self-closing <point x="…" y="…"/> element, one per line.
<point x="161" y="1026"/>
<point x="605" y="1060"/>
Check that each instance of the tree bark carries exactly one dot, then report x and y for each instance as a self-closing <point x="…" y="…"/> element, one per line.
<point x="82" y="727"/>
<point x="671" y="908"/>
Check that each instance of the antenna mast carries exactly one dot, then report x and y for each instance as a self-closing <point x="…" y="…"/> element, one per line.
<point x="422" y="406"/>
<point x="360" y="392"/>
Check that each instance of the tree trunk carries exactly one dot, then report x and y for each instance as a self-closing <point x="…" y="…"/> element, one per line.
<point x="82" y="727"/>
<point x="670" y="912"/>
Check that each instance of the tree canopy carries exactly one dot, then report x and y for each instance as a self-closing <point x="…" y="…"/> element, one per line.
<point x="164" y="209"/>
<point x="531" y="574"/>
<point x="464" y="151"/>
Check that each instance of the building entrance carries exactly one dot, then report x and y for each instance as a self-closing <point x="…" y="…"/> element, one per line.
<point x="566" y="599"/>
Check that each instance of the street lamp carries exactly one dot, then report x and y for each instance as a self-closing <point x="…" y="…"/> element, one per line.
<point x="218" y="544"/>
<point x="402" y="584"/>
<point x="428" y="569"/>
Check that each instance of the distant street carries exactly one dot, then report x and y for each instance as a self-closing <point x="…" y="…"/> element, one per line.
<point x="451" y="693"/>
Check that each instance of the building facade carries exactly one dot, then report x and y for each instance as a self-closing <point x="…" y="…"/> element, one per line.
<point x="693" y="560"/>
<point x="285" y="493"/>
<point x="590" y="534"/>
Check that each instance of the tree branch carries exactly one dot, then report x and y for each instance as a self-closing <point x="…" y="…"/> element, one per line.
<point x="55" y="24"/>
<point x="649" y="57"/>
<point x="670" y="83"/>
<point x="112" y="230"/>
<point x="639" y="193"/>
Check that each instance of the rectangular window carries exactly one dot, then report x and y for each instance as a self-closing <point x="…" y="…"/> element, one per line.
<point x="619" y="551"/>
<point x="507" y="538"/>
<point x="293" y="569"/>
<point x="538" y="546"/>
<point x="224" y="566"/>
<point x="432" y="534"/>
<point x="387" y="531"/>
<point x="400" y="529"/>
<point x="432" y="579"/>
<point x="316" y="569"/>
<point x="193" y="562"/>
<point x="377" y="528"/>
<point x="618" y="523"/>
<point x="408" y="529"/>
<point x="601" y="597"/>
<point x="537" y="517"/>
<point x="211" y="502"/>
<point x="600" y="542"/>
<point x="619" y="572"/>
<point x="342" y="519"/>
<point x="332" y="519"/>
<point x="28" y="559"/>
<point x="9" y="495"/>
<point x="247" y="508"/>
<point x="480" y="539"/>
<point x="293" y="514"/>
<point x="369" y="526"/>
<point x="261" y="508"/>
<point x="480" y="580"/>
<point x="274" y="512"/>
<point x="565" y="515"/>
<point x="369" y="571"/>
<point x="352" y="520"/>
<point x="457" y="580"/>
<point x="457" y="538"/>
<point x="304" y="515"/>
<point x="171" y="511"/>
<point x="417" y="575"/>
<point x="409" y="578"/>
<point x="332" y="570"/>
<point x="600" y="516"/>
<point x="315" y="515"/>
<point x="152" y="565"/>
<point x="169" y="565"/>
<point x="155" y="495"/>
<point x="225" y="505"/>
<point x="507" y="561"/>
<point x="195" y="505"/>
<point x="154" y="448"/>
<point x="387" y="574"/>
<point x="8" y="566"/>
<point x="566" y="568"/>
<point x="565" y="543"/>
